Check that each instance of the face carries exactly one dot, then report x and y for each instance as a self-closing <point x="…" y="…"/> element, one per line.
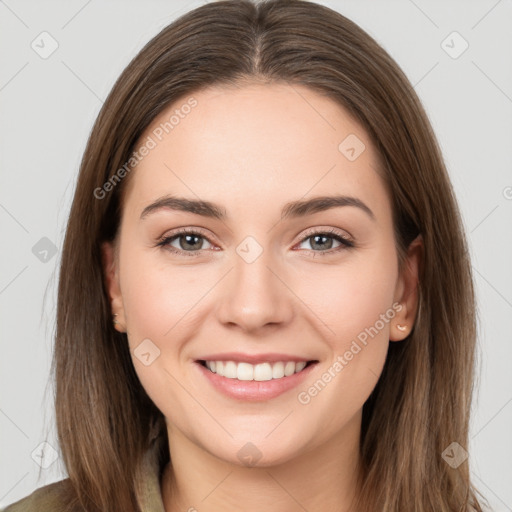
<point x="291" y="300"/>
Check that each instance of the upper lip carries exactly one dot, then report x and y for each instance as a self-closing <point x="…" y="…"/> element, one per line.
<point x="253" y="358"/>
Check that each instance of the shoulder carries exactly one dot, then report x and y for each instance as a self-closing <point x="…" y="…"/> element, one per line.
<point x="53" y="497"/>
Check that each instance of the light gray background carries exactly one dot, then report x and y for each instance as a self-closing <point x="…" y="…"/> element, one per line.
<point x="47" y="110"/>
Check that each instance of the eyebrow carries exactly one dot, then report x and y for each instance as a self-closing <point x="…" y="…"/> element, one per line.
<point x="293" y="209"/>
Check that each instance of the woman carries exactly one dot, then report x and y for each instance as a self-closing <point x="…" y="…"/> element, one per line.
<point x="262" y="207"/>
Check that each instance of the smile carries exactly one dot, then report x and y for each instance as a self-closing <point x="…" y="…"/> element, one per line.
<point x="260" y="381"/>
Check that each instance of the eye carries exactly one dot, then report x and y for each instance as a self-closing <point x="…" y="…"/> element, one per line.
<point x="184" y="241"/>
<point x="321" y="242"/>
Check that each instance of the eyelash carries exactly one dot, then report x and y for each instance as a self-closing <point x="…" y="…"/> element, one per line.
<point x="330" y="233"/>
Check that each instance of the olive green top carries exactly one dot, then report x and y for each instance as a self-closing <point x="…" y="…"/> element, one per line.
<point x="48" y="497"/>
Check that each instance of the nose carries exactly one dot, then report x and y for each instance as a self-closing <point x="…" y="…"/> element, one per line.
<point x="255" y="296"/>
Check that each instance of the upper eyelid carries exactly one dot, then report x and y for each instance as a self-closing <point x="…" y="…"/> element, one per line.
<point x="187" y="231"/>
<point x="328" y="231"/>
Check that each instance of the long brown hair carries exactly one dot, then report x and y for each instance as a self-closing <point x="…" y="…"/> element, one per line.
<point x="421" y="403"/>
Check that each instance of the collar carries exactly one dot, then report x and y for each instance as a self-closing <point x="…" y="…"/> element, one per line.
<point x="149" y="492"/>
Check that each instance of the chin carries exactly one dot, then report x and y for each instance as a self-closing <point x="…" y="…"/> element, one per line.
<point x="257" y="450"/>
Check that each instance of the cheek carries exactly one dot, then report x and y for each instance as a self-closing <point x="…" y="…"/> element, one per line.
<point x="158" y="298"/>
<point x="355" y="301"/>
<point x="159" y="302"/>
<point x="351" y="296"/>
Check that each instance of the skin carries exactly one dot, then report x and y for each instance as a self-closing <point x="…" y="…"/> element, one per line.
<point x="252" y="149"/>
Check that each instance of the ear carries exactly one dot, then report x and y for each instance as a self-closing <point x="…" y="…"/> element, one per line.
<point x="111" y="274"/>
<point x="407" y="292"/>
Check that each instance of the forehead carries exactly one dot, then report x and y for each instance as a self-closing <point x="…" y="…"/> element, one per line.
<point x="256" y="145"/>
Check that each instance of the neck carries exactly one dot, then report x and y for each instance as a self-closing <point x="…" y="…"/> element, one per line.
<point x="319" y="479"/>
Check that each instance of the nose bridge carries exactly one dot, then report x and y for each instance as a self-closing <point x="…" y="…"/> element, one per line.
<point x="256" y="296"/>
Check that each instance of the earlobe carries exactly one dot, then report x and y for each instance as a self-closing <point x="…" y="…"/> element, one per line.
<point x="110" y="273"/>
<point x="407" y="292"/>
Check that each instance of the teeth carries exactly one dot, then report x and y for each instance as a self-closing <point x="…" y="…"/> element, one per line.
<point x="258" y="372"/>
<point x="289" y="369"/>
<point x="230" y="370"/>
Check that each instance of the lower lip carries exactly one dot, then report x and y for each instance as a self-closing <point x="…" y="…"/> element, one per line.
<point x="252" y="390"/>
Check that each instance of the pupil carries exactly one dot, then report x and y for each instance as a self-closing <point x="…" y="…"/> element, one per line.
<point x="197" y="245"/>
